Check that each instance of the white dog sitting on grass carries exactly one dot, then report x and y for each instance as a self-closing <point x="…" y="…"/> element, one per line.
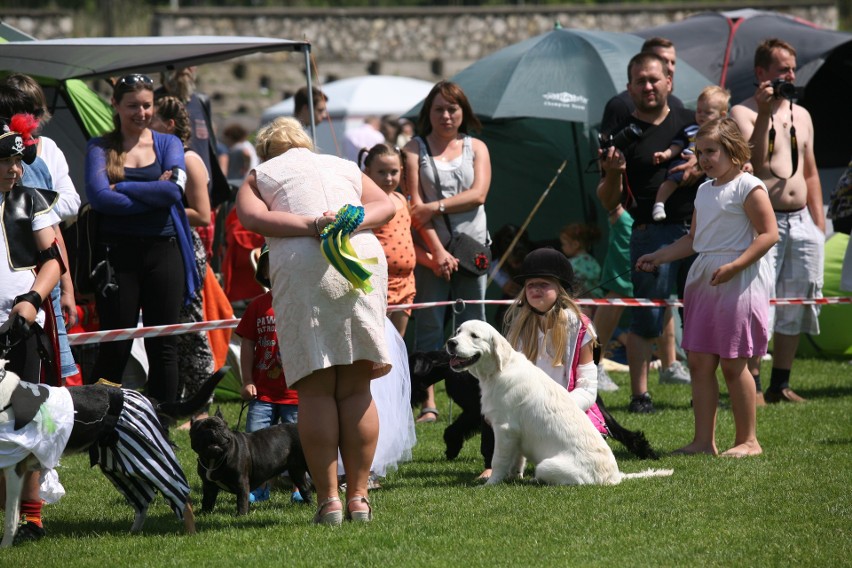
<point x="533" y="417"/>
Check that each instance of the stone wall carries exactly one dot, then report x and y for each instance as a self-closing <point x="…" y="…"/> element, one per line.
<point x="425" y="43"/>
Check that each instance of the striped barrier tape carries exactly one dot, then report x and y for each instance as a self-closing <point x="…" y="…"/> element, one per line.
<point x="90" y="337"/>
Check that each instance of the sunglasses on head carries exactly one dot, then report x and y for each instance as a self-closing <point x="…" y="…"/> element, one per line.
<point x="134" y="79"/>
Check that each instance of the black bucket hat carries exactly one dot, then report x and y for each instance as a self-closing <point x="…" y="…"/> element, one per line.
<point x="16" y="138"/>
<point x="547" y="263"/>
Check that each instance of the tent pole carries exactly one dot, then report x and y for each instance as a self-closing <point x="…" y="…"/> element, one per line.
<point x="526" y="223"/>
<point x="307" y="52"/>
<point x="580" y="174"/>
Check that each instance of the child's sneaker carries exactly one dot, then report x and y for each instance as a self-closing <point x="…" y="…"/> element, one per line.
<point x="259" y="494"/>
<point x="605" y="382"/>
<point x="296" y="497"/>
<point x="27" y="531"/>
<point x="676" y="374"/>
<point x="641" y="404"/>
<point x="659" y="211"/>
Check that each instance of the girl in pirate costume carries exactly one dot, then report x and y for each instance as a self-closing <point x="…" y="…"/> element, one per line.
<point x="29" y="270"/>
<point x="138" y="459"/>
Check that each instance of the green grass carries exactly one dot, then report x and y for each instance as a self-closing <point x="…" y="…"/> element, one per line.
<point x="791" y="506"/>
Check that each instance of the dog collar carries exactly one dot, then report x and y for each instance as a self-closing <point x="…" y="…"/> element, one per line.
<point x="215" y="467"/>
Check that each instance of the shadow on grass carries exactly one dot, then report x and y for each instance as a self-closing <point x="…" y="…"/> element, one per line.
<point x="833" y="391"/>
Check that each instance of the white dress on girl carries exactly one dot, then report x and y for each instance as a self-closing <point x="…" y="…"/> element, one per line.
<point x="731" y="319"/>
<point x="392" y="395"/>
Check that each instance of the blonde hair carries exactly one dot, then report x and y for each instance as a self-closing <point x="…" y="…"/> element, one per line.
<point x="282" y="134"/>
<point x="713" y="93"/>
<point x="726" y="132"/>
<point x="521" y="324"/>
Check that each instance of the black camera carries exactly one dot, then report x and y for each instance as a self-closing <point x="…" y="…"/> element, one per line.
<point x="620" y="140"/>
<point x="103" y="279"/>
<point x="782" y="89"/>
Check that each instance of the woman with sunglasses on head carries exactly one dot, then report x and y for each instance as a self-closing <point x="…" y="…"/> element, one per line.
<point x="135" y="180"/>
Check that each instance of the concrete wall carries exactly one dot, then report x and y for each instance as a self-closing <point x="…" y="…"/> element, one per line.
<point x="425" y="43"/>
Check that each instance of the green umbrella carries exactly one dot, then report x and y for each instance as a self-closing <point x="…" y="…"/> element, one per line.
<point x="564" y="74"/>
<point x="541" y="101"/>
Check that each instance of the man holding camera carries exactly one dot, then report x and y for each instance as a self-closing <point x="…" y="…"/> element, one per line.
<point x="781" y="134"/>
<point x="631" y="178"/>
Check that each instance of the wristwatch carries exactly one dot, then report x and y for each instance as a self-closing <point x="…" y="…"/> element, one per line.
<point x="441" y="208"/>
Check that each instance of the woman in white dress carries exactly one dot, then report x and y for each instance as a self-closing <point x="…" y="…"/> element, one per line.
<point x="331" y="335"/>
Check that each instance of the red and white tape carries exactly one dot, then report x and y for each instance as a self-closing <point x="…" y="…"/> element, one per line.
<point x="631" y="302"/>
<point x="90" y="337"/>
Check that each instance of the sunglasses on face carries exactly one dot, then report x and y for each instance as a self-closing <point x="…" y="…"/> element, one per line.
<point x="134" y="79"/>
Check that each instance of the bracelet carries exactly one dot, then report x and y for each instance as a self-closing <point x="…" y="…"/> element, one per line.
<point x="316" y="225"/>
<point x="32" y="297"/>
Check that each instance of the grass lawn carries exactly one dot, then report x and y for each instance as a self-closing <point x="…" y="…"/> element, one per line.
<point x="790" y="506"/>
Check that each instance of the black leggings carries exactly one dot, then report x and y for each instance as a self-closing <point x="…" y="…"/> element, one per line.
<point x="150" y="276"/>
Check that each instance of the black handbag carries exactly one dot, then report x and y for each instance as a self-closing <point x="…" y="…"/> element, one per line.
<point x="474" y="257"/>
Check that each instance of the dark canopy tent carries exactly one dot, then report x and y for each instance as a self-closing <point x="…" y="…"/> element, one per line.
<point x="721" y="46"/>
<point x="78" y="113"/>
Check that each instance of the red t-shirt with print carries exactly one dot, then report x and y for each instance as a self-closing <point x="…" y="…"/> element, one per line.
<point x="258" y="325"/>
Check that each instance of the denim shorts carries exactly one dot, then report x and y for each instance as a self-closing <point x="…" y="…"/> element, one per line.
<point x="66" y="358"/>
<point x="263" y="414"/>
<point x="669" y="278"/>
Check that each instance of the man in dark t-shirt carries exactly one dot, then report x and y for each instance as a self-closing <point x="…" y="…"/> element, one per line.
<point x="621" y="106"/>
<point x="631" y="178"/>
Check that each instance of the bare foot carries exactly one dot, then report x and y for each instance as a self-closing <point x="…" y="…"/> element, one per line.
<point x="485" y="475"/>
<point x="744" y="450"/>
<point x="693" y="449"/>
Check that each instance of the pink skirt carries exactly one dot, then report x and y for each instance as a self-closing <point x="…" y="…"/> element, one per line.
<point x="731" y="319"/>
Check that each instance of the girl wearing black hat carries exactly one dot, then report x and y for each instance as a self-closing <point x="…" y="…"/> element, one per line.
<point x="545" y="324"/>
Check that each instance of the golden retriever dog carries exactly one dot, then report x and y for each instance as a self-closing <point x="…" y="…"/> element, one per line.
<point x="533" y="417"/>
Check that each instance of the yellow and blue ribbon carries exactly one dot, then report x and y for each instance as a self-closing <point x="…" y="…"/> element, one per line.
<point x="338" y="251"/>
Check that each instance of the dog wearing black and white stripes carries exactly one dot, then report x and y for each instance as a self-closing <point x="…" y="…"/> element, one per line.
<point x="124" y="432"/>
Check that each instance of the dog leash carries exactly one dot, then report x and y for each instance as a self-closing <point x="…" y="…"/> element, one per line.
<point x="243" y="406"/>
<point x="585" y="293"/>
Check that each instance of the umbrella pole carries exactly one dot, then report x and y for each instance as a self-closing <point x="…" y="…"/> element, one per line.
<point x="527" y="222"/>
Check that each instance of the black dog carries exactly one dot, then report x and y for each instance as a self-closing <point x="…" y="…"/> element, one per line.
<point x="428" y="368"/>
<point x="238" y="461"/>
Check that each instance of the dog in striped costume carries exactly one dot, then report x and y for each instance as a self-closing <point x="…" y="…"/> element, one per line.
<point x="124" y="432"/>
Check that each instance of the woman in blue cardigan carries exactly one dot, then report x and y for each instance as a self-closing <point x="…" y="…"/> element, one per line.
<point x="135" y="181"/>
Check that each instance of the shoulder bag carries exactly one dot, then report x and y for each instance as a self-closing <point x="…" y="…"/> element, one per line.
<point x="474" y="257"/>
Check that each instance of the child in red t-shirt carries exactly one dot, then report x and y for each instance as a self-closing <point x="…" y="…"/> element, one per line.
<point x="270" y="401"/>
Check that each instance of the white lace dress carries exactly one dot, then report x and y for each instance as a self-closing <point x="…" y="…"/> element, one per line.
<point x="320" y="319"/>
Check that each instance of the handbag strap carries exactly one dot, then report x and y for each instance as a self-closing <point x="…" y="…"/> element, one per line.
<point x="437" y="181"/>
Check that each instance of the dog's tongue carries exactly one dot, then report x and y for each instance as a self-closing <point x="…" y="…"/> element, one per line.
<point x="454" y="361"/>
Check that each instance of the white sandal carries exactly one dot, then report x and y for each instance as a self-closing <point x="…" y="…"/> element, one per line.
<point x="359" y="516"/>
<point x="331" y="518"/>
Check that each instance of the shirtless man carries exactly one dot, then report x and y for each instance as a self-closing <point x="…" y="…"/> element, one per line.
<point x="791" y="176"/>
